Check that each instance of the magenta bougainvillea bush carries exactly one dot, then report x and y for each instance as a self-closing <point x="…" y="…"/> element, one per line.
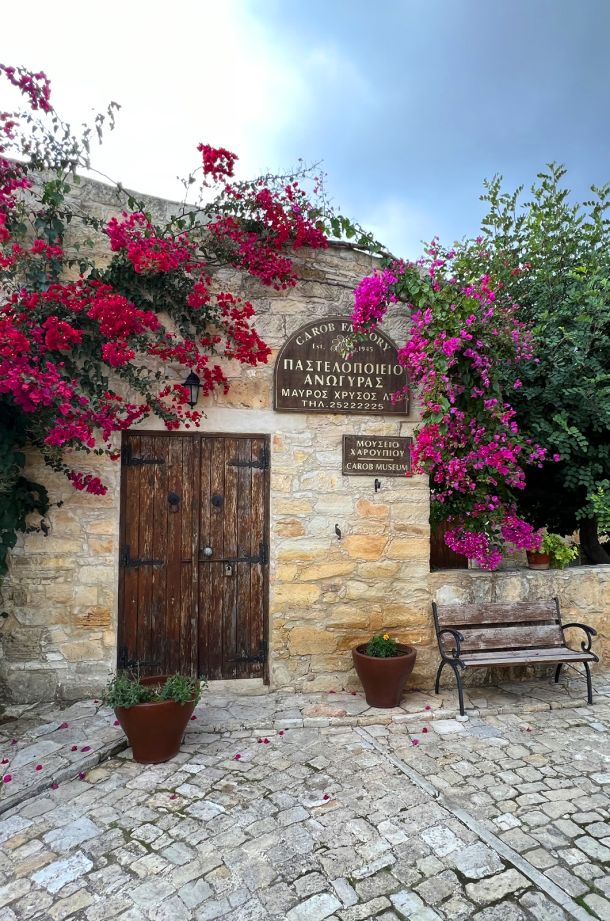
<point x="86" y="352"/>
<point x="465" y="345"/>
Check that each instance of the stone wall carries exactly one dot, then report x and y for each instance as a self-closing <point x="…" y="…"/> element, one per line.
<point x="326" y="595"/>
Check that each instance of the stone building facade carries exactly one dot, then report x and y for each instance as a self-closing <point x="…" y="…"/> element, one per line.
<point x="325" y="593"/>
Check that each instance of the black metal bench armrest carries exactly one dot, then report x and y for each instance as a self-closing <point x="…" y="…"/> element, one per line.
<point x="584" y="645"/>
<point x="457" y="636"/>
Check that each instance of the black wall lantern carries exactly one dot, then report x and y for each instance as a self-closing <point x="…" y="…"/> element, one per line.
<point x="192" y="384"/>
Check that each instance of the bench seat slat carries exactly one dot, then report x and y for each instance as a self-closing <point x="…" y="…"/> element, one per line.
<point x="455" y="615"/>
<point x="515" y="637"/>
<point x="529" y="656"/>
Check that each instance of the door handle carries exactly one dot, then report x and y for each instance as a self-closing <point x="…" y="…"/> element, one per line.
<point x="207" y="551"/>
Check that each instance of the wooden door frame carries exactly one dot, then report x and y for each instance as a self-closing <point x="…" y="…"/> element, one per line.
<point x="266" y="523"/>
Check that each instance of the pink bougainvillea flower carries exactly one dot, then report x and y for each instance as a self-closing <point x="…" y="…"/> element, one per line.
<point x="259" y="740"/>
<point x="174" y="796"/>
<point x="332" y="692"/>
<point x="414" y="741"/>
<point x="116" y="723"/>
<point x="326" y="796"/>
<point x="54" y="786"/>
<point x="82" y="775"/>
<point x="425" y="729"/>
<point x="7" y="778"/>
<point x="266" y="741"/>
<point x="427" y="707"/>
<point x="96" y="701"/>
<point x="193" y="717"/>
<point x="354" y="693"/>
<point x="237" y="757"/>
<point x="38" y="767"/>
<point x="4" y="761"/>
<point x="13" y="741"/>
<point x="86" y="748"/>
<point x="281" y="732"/>
<point x="64" y="726"/>
<point x="74" y="748"/>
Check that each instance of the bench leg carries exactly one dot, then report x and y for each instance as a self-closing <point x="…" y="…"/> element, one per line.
<point x="438" y="676"/>
<point x="456" y="671"/>
<point x="557" y="672"/>
<point x="589" y="687"/>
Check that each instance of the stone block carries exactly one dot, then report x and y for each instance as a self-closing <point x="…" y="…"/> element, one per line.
<point x="82" y="651"/>
<point x="290" y="527"/>
<point x="306" y="640"/>
<point x="364" y="546"/>
<point x="94" y="617"/>
<point x="294" y="594"/>
<point x="97" y="575"/>
<point x="291" y="506"/>
<point x="352" y="617"/>
<point x="301" y="550"/>
<point x="102" y="546"/>
<point x="408" y="549"/>
<point x="367" y="509"/>
<point x="285" y="572"/>
<point x="319" y="571"/>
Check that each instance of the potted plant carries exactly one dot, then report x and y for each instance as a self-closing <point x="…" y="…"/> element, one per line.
<point x="383" y="666"/>
<point x="554" y="553"/>
<point x="153" y="712"/>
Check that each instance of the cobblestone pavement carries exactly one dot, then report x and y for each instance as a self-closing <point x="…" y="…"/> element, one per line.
<point x="49" y="743"/>
<point x="502" y="817"/>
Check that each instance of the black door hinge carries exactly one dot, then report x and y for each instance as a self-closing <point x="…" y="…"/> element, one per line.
<point x="129" y="563"/>
<point x="261" y="463"/>
<point x="128" y="460"/>
<point x="260" y="656"/>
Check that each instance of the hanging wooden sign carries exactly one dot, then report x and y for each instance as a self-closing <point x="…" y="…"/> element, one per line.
<point x="313" y="374"/>
<point x="376" y="455"/>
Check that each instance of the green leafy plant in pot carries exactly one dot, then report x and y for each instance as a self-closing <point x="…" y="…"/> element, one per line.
<point x="383" y="666"/>
<point x="153" y="712"/>
<point x="554" y="553"/>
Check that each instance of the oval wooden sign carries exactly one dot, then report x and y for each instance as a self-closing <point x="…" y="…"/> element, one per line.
<point x="314" y="375"/>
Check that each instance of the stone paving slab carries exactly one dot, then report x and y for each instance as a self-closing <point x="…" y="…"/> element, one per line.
<point x="44" y="745"/>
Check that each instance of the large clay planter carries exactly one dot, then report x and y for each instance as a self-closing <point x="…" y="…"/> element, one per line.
<point x="383" y="680"/>
<point x="537" y="560"/>
<point x="155" y="730"/>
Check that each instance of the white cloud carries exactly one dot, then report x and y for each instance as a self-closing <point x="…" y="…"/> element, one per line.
<point x="400" y="226"/>
<point x="188" y="72"/>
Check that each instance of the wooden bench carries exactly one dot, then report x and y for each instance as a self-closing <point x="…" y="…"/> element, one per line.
<point x="524" y="633"/>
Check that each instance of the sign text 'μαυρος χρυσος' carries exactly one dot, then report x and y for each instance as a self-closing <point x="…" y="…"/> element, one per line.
<point x="314" y="374"/>
<point x="376" y="455"/>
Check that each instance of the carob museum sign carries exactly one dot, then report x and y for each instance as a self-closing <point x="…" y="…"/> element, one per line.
<point x="313" y="374"/>
<point x="376" y="455"/>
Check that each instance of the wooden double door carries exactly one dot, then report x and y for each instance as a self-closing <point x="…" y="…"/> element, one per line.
<point x="193" y="582"/>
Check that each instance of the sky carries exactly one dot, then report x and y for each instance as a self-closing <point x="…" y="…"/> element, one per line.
<point x="408" y="104"/>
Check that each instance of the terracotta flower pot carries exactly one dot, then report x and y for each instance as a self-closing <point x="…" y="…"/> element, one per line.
<point x="383" y="680"/>
<point x="155" y="730"/>
<point x="537" y="560"/>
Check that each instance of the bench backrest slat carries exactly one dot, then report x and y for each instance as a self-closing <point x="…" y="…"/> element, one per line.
<point x="501" y="626"/>
<point x="462" y="615"/>
<point x="505" y="638"/>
